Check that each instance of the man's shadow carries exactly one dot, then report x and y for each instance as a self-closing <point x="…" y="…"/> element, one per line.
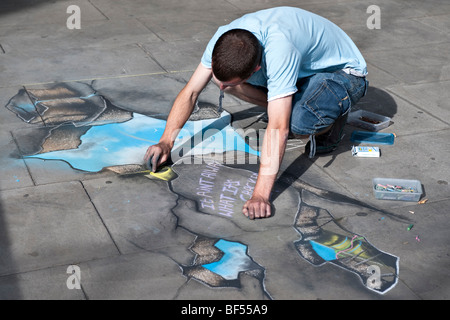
<point x="377" y="101"/>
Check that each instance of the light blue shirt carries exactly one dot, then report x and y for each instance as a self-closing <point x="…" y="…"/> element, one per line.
<point x="296" y="44"/>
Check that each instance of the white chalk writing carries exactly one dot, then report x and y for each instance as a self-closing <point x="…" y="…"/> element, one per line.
<point x="223" y="198"/>
<point x="247" y="190"/>
<point x="226" y="205"/>
<point x="206" y="185"/>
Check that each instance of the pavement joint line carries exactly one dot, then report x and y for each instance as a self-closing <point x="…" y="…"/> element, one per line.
<point x="23" y="160"/>
<point x="149" y="29"/>
<point x="102" y="13"/>
<point x="147" y="53"/>
<point x="109" y="77"/>
<point x="2" y="50"/>
<point x="100" y="217"/>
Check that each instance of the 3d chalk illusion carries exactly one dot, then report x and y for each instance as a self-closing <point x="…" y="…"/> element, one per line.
<point x="115" y="137"/>
<point x="219" y="262"/>
<point x="323" y="240"/>
<point x="88" y="132"/>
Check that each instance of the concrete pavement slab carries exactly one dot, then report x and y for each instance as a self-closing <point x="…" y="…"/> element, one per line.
<point x="177" y="55"/>
<point x="180" y="26"/>
<point x="151" y="95"/>
<point x="355" y="13"/>
<point x="431" y="98"/>
<point x="395" y="34"/>
<point x="379" y="78"/>
<point x="142" y="8"/>
<point x="44" y="229"/>
<point x="74" y="64"/>
<point x="43" y="284"/>
<point x="45" y="12"/>
<point x="432" y="8"/>
<point x="440" y="22"/>
<point x="424" y="252"/>
<point x="139" y="276"/>
<point x="250" y="6"/>
<point x="14" y="170"/>
<point x="403" y="63"/>
<point x="103" y="33"/>
<point x="138" y="212"/>
<point x="250" y="289"/>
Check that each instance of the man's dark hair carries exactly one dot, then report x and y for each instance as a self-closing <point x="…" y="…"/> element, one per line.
<point x="236" y="55"/>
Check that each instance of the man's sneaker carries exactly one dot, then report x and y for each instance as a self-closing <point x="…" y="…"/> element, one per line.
<point x="328" y="141"/>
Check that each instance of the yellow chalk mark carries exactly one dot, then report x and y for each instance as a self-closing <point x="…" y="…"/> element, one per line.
<point x="165" y="173"/>
<point x="332" y="239"/>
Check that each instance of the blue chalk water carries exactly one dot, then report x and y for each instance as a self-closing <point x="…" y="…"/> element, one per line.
<point x="125" y="143"/>
<point x="234" y="260"/>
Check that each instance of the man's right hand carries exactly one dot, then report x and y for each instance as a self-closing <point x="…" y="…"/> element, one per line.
<point x="157" y="155"/>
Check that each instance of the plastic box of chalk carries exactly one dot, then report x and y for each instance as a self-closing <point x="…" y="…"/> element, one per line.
<point x="368" y="120"/>
<point x="397" y="189"/>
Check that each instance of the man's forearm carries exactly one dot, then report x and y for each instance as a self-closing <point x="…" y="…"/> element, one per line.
<point x="184" y="103"/>
<point x="179" y="114"/>
<point x="274" y="146"/>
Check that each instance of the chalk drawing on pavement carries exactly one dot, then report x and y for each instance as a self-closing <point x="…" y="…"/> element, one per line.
<point x="87" y="131"/>
<point x="115" y="137"/>
<point x="324" y="241"/>
<point x="218" y="263"/>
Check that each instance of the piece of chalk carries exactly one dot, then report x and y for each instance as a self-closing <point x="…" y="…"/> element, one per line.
<point x="410" y="227"/>
<point x="148" y="164"/>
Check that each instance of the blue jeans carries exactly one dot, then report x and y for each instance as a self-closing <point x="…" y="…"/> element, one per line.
<point x="322" y="98"/>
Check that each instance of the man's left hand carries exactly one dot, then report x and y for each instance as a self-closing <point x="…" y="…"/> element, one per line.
<point x="257" y="208"/>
